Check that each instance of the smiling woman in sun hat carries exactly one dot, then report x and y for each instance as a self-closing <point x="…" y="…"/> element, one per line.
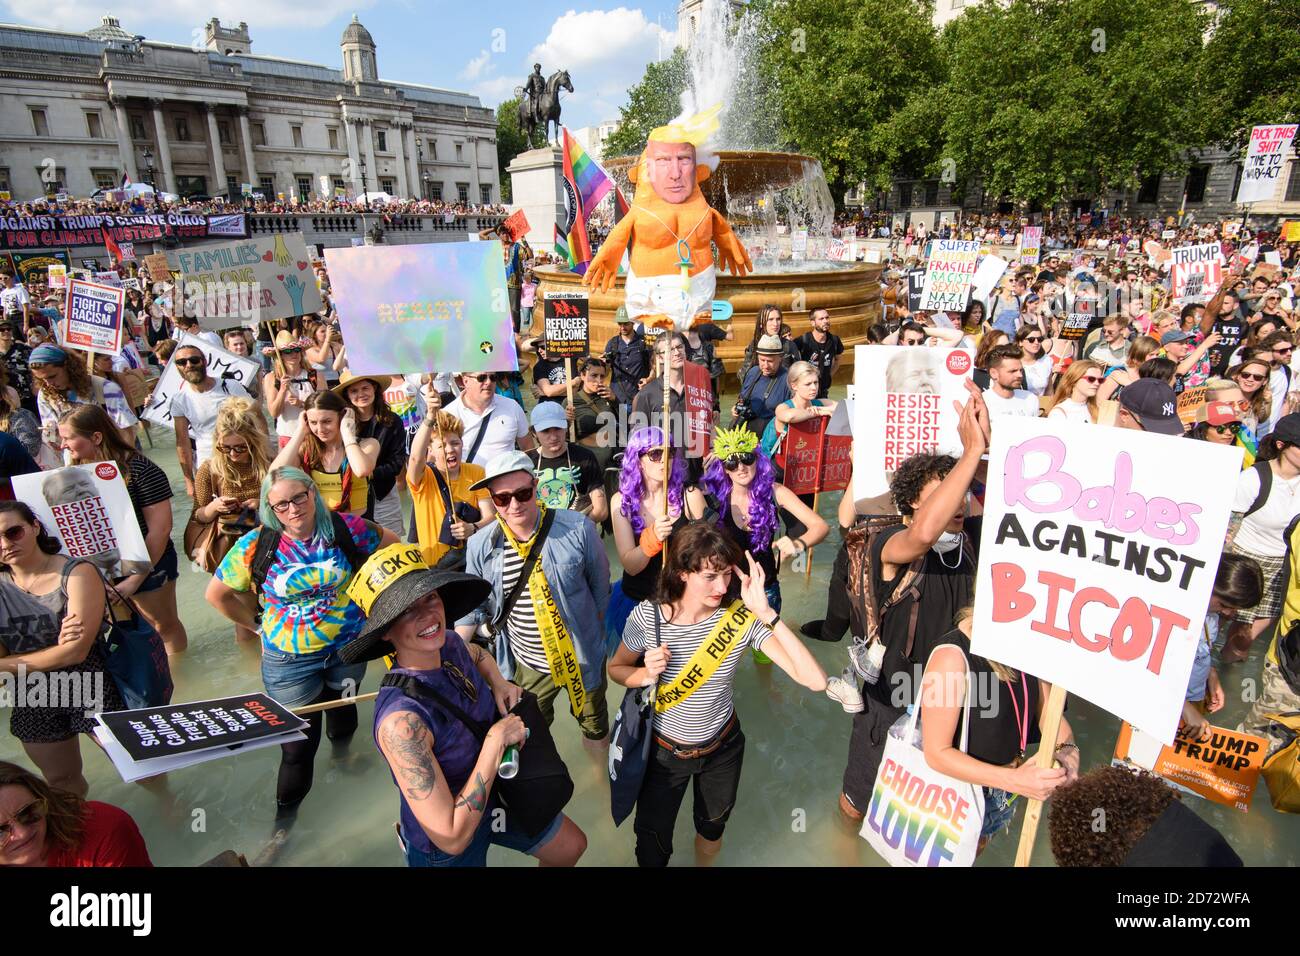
<point x="444" y="774"/>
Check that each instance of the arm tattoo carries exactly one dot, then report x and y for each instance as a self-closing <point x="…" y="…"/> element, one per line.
<point x="407" y="740"/>
<point x="477" y="798"/>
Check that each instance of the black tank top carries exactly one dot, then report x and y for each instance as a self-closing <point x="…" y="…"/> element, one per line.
<point x="763" y="556"/>
<point x="640" y="586"/>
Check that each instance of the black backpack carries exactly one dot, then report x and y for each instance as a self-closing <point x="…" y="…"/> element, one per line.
<point x="1288" y="641"/>
<point x="1265" y="489"/>
<point x="268" y="542"/>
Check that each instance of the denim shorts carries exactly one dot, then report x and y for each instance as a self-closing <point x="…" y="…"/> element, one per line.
<point x="476" y="853"/>
<point x="297" y="679"/>
<point x="999" y="809"/>
<point x="167" y="569"/>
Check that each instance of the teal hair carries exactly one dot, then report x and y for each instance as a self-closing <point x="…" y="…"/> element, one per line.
<point x="324" y="523"/>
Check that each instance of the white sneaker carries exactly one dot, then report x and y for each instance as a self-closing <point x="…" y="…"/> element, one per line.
<point x="846" y="694"/>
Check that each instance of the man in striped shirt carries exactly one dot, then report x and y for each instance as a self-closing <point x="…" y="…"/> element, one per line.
<point x="551" y="636"/>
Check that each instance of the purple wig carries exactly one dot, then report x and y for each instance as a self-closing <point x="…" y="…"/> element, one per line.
<point x="762" y="500"/>
<point x="632" y="488"/>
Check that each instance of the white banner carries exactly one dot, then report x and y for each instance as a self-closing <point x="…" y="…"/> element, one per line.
<point x="1196" y="273"/>
<point x="220" y="364"/>
<point x="903" y="406"/>
<point x="948" y="275"/>
<point x="88" y="508"/>
<point x="1269" y="148"/>
<point x="249" y="281"/>
<point x="1097" y="559"/>
<point x="986" y="276"/>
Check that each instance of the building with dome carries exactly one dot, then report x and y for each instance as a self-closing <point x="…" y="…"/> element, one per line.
<point x="77" y="110"/>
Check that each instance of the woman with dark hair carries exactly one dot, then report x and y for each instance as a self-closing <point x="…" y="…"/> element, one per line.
<point x="992" y="339"/>
<point x="306" y="615"/>
<point x="1000" y="731"/>
<point x="743" y="488"/>
<point x="87" y="434"/>
<point x="1265" y="502"/>
<point x="364" y="394"/>
<point x="687" y="644"/>
<point x="16" y="420"/>
<point x="972" y="322"/>
<point x="641" y="524"/>
<point x="289" y="385"/>
<point x="1161" y="368"/>
<point x="327" y="447"/>
<point x="1238" y="584"/>
<point x="1037" y="359"/>
<point x="42" y="825"/>
<point x="51" y="615"/>
<point x="65" y="383"/>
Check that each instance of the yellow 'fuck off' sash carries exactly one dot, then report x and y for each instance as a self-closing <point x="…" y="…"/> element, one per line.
<point x="708" y="657"/>
<point x="556" y="642"/>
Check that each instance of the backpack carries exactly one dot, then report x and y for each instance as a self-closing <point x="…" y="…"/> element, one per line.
<point x="1265" y="489"/>
<point x="268" y="543"/>
<point x="1288" y="641"/>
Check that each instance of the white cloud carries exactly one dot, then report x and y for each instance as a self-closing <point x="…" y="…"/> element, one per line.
<point x="145" y="16"/>
<point x="477" y="66"/>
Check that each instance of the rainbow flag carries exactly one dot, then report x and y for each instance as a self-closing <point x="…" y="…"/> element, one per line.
<point x="1249" y="444"/>
<point x="587" y="184"/>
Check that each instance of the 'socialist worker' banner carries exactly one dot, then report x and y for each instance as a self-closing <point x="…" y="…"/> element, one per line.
<point x="92" y="319"/>
<point x="1269" y="148"/>
<point x="1197" y="272"/>
<point x="413" y="308"/>
<point x="247" y="282"/>
<point x="903" y="406"/>
<point x="1097" y="557"/>
<point x="566" y="325"/>
<point x="948" y="275"/>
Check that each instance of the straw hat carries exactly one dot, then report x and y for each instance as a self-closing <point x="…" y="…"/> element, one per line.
<point x="380" y="382"/>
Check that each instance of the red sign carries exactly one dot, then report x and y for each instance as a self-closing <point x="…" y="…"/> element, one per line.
<point x="517" y="223"/>
<point x="817" y="457"/>
<point x="699" y="409"/>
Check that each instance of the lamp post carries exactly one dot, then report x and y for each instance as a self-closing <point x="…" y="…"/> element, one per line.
<point x="365" y="186"/>
<point x="148" y="161"/>
<point x="419" y="162"/>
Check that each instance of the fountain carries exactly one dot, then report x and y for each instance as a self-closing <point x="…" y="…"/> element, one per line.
<point x="777" y="202"/>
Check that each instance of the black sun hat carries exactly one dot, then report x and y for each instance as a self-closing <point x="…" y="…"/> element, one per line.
<point x="393" y="579"/>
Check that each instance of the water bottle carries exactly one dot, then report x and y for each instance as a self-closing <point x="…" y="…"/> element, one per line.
<point x="899" y="726"/>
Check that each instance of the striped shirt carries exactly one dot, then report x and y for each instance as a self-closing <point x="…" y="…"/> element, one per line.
<point x="525" y="637"/>
<point x="699" y="717"/>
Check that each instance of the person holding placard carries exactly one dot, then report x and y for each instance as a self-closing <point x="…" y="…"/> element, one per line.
<point x="87" y="435"/>
<point x="291" y="383"/>
<point x="65" y="382"/>
<point x="922" y="574"/>
<point x="194" y="408"/>
<point x="697" y="735"/>
<point x="53" y="614"/>
<point x="447" y="510"/>
<point x="327" y="447"/>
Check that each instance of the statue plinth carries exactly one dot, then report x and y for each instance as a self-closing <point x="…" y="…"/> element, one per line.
<point x="537" y="187"/>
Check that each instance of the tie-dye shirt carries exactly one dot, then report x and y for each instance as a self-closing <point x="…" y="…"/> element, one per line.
<point x="305" y="604"/>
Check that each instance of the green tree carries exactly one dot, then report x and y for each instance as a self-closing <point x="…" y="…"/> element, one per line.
<point x="652" y="102"/>
<point x="510" y="141"/>
<point x="1252" y="68"/>
<point x="1048" y="99"/>
<point x="845" y="71"/>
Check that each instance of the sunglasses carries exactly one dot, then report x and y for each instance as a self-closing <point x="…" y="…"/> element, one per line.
<point x="297" y="501"/>
<point x="520" y="495"/>
<point x="1230" y="428"/>
<point x="1033" y="338"/>
<point x="28" y="816"/>
<point x="1251" y="376"/>
<point x="1282" y="348"/>
<point x="196" y="360"/>
<point x="294" y="351"/>
<point x="14" y="534"/>
<point x="482" y="378"/>
<point x="656" y="455"/>
<point x="1093" y="379"/>
<point x="735" y="461"/>
<point x="233" y="449"/>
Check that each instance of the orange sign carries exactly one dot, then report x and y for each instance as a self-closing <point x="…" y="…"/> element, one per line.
<point x="517" y="223"/>
<point x="1291" y="230"/>
<point x="1223" y="768"/>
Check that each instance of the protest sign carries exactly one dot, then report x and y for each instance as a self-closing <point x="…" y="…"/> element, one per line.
<point x="799" y="243"/>
<point x="1291" y="230"/>
<point x="903" y="406"/>
<point x="221" y="364"/>
<point x="55" y="232"/>
<point x="915" y="283"/>
<point x="249" y="281"/>
<point x="152" y="740"/>
<point x="1097" y="559"/>
<point x="1223" y="768"/>
<point x="1075" y="325"/>
<point x="414" y="308"/>
<point x="1031" y="243"/>
<point x="88" y="509"/>
<point x="128" y="251"/>
<point x="108" y="278"/>
<point x="1190" y="403"/>
<point x="131" y="284"/>
<point x="33" y="267"/>
<point x="517" y="225"/>
<point x="1197" y="272"/>
<point x="871" y="255"/>
<point x="948" y="275"/>
<point x="92" y="317"/>
<point x="57" y="276"/>
<point x="818" y="453"/>
<point x="837" y="250"/>
<point x="987" y="274"/>
<point x="566" y="325"/>
<point x="1273" y="258"/>
<point x="699" y="409"/>
<point x="159" y="269"/>
<point x="1169" y="234"/>
<point x="1269" y="148"/>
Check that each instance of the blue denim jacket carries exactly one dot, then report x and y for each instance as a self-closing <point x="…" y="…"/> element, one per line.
<point x="578" y="573"/>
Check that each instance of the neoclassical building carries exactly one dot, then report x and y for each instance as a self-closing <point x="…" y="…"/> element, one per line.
<point x="79" y="109"/>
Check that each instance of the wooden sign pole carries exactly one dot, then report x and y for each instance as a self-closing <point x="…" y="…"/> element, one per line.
<point x="569" y="367"/>
<point x="1046" y="759"/>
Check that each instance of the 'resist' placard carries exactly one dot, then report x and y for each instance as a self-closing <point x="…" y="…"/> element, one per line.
<point x="903" y="406"/>
<point x="1097" y="559"/>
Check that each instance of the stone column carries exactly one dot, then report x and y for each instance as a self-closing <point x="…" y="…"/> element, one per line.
<point x="124" y="145"/>
<point x="473" y="169"/>
<point x="246" y="138"/>
<point x="368" y="144"/>
<point x="414" y="172"/>
<point x="164" y="149"/>
<point x="399" y="134"/>
<point x="354" y="157"/>
<point x="214" y="142"/>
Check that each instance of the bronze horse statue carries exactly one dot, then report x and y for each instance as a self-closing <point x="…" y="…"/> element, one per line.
<point x="548" y="109"/>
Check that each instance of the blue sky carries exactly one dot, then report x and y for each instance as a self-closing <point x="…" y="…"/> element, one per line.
<point x="486" y="48"/>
